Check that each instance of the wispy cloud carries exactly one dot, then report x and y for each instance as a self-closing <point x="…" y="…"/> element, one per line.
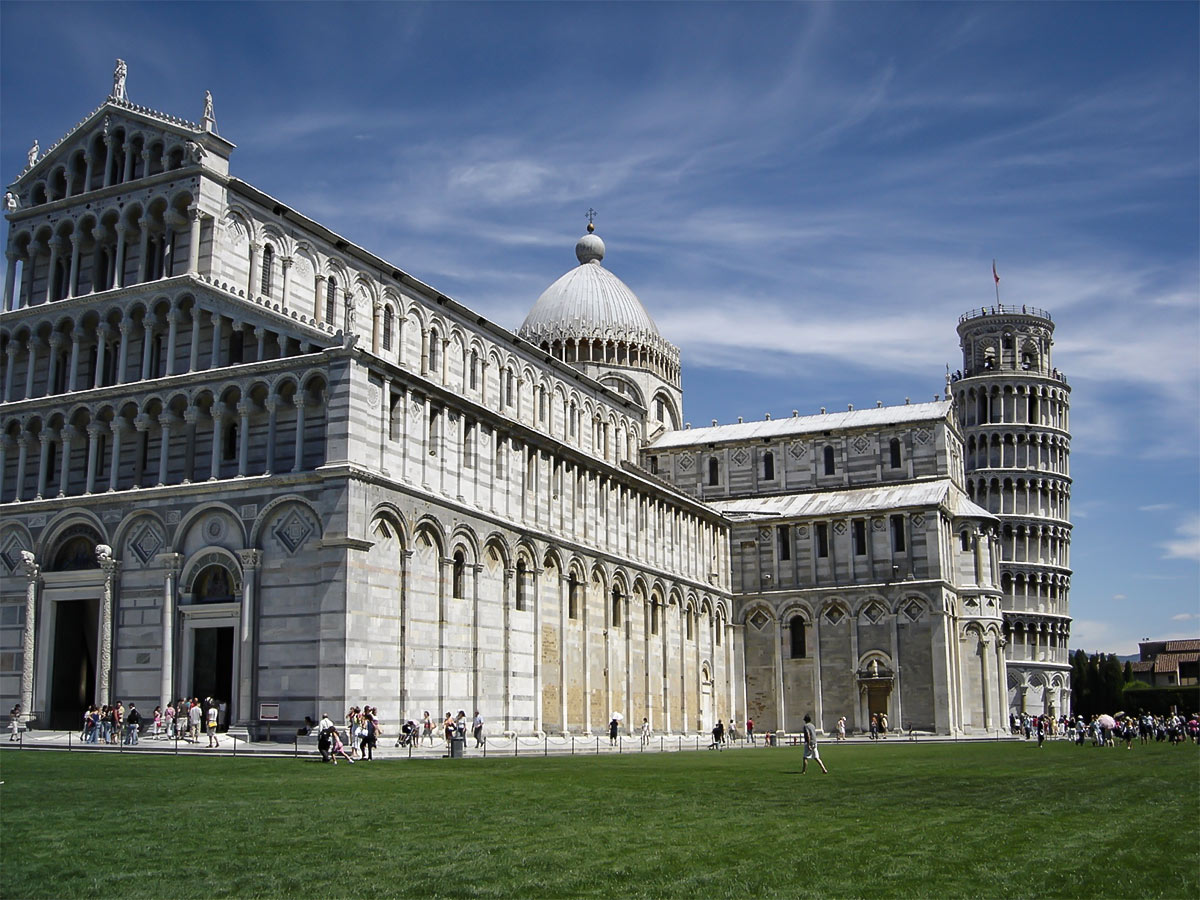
<point x="1186" y="543"/>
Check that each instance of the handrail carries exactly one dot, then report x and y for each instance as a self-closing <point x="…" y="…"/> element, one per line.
<point x="1004" y="310"/>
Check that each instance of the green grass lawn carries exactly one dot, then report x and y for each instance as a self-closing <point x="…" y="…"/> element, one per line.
<point x="899" y="819"/>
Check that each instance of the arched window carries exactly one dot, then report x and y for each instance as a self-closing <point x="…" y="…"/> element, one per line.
<point x="522" y="581"/>
<point x="434" y="350"/>
<point x="655" y="612"/>
<point x="691" y="624"/>
<point x="768" y="462"/>
<point x="268" y="266"/>
<point x="229" y="448"/>
<point x="474" y="370"/>
<point x="331" y="301"/>
<point x="965" y="538"/>
<point x="510" y="388"/>
<point x="616" y="607"/>
<point x="898" y="542"/>
<point x="830" y="468"/>
<point x="796" y="631"/>
<point x="572" y="597"/>
<point x="460" y="575"/>
<point x="714" y="471"/>
<point x="894" y="453"/>
<point x="388" y="318"/>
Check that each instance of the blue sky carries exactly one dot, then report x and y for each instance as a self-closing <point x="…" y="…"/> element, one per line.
<point x="805" y="197"/>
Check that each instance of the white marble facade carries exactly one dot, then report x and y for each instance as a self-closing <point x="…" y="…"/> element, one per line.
<point x="241" y="456"/>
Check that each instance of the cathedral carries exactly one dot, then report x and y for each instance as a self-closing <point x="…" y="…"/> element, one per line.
<point x="242" y="457"/>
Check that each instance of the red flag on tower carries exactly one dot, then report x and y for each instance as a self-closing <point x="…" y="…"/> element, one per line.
<point x="994" y="273"/>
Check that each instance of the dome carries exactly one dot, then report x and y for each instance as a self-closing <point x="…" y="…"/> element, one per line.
<point x="589" y="302"/>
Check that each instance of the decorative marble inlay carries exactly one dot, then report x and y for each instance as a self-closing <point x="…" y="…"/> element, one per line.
<point x="802" y="531"/>
<point x="214" y="529"/>
<point x="834" y="615"/>
<point x="10" y="555"/>
<point x="686" y="461"/>
<point x="740" y="457"/>
<point x="918" y="521"/>
<point x="292" y="531"/>
<point x="146" y="542"/>
<point x="173" y="516"/>
<point x="248" y="511"/>
<point x="798" y="451"/>
<point x="759" y="620"/>
<point x="373" y="396"/>
<point x="861" y="444"/>
<point x="839" y="527"/>
<point x="912" y="609"/>
<point x="877" y="525"/>
<point x="873" y="612"/>
<point x="764" y="534"/>
<point x="922" y="436"/>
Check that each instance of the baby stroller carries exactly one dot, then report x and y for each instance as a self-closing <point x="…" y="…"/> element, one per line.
<point x="409" y="734"/>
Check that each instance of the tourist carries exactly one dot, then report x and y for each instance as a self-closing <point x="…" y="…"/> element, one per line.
<point x="841" y="728"/>
<point x="477" y="729"/>
<point x="750" y="730"/>
<point x="158" y="721"/>
<point x="325" y="733"/>
<point x="213" y="710"/>
<point x="339" y="749"/>
<point x="810" y="747"/>
<point x="14" y="722"/>
<point x="731" y="731"/>
<point x="874" y="727"/>
<point x="448" y="728"/>
<point x="427" y="728"/>
<point x="883" y="725"/>
<point x="370" y="734"/>
<point x="133" y="724"/>
<point x="645" y="732"/>
<point x="460" y="724"/>
<point x="613" y="728"/>
<point x="195" y="713"/>
<point x="718" y="736"/>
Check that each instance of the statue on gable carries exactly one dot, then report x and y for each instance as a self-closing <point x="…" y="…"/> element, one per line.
<point x="195" y="153"/>
<point x="11" y="203"/>
<point x="33" y="153"/>
<point x="209" y="120"/>
<point x="118" y="91"/>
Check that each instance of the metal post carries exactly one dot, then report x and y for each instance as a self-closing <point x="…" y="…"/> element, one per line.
<point x="572" y="745"/>
<point x="545" y="745"/>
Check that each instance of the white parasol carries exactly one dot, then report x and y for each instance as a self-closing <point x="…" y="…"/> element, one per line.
<point x="1107" y="721"/>
<point x="618" y="716"/>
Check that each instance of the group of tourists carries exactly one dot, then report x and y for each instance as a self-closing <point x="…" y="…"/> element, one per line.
<point x="184" y="719"/>
<point x="1106" y="731"/>
<point x="111" y="724"/>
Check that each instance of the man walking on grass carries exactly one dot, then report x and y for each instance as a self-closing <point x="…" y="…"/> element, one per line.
<point x="810" y="747"/>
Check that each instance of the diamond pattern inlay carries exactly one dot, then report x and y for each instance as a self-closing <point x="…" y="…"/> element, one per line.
<point x="759" y="620"/>
<point x="293" y="531"/>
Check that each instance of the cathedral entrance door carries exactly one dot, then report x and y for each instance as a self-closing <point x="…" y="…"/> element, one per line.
<point x="73" y="665"/>
<point x="877" y="700"/>
<point x="706" y="706"/>
<point x="212" y="665"/>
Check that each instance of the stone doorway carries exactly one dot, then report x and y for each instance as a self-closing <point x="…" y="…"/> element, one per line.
<point x="73" y="665"/>
<point x="212" y="666"/>
<point x="877" y="700"/>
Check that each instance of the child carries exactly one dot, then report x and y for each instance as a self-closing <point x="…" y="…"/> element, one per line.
<point x="339" y="748"/>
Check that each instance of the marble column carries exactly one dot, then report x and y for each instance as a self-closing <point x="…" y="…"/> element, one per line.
<point x="250" y="559"/>
<point x="94" y="429"/>
<point x="104" y="664"/>
<point x="73" y="275"/>
<point x="272" y="405"/>
<point x="172" y="562"/>
<point x="194" y="223"/>
<point x="172" y="334"/>
<point x="23" y="442"/>
<point x="144" y="270"/>
<point x="298" y="456"/>
<point x="35" y="343"/>
<point x="118" y="426"/>
<point x="10" y="277"/>
<point x="244" y="409"/>
<point x="73" y="365"/>
<point x="56" y="245"/>
<point x="165" y="422"/>
<point x="286" y="265"/>
<point x="103" y="333"/>
<point x="67" y="437"/>
<point x="56" y="342"/>
<point x="46" y="438"/>
<point x="119" y="261"/>
<point x="32" y="572"/>
<point x="218" y="420"/>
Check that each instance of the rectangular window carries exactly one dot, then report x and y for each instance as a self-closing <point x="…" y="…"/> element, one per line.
<point x="468" y="447"/>
<point x="654" y="465"/>
<point x="898" y="543"/>
<point x="822" y="540"/>
<point x="784" y="535"/>
<point x="860" y="537"/>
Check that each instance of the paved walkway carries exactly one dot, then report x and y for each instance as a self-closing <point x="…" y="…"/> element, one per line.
<point x="496" y="745"/>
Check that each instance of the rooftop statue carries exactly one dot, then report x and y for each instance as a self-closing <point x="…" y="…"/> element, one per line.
<point x="118" y="91"/>
<point x="33" y="153"/>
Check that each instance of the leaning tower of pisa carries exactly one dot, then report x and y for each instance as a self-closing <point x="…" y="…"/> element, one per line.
<point x="1013" y="406"/>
